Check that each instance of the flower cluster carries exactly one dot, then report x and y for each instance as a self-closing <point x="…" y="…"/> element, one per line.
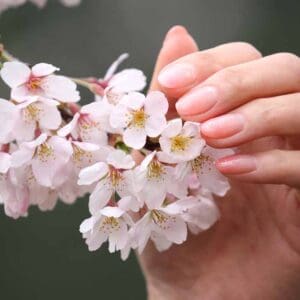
<point x="148" y="177"/>
<point x="6" y="4"/>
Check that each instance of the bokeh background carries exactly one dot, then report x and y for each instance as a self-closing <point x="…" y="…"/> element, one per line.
<point x="43" y="256"/>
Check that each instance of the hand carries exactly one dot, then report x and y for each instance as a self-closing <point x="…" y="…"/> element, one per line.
<point x="252" y="103"/>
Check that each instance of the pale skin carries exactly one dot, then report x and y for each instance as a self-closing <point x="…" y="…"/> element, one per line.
<point x="253" y="251"/>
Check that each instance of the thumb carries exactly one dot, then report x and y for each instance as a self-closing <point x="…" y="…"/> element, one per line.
<point x="177" y="43"/>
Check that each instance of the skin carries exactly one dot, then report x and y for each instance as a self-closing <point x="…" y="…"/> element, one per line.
<point x="253" y="251"/>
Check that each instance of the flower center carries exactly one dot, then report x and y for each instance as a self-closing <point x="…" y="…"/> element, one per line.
<point x="155" y="170"/>
<point x="113" y="97"/>
<point x="199" y="161"/>
<point x="44" y="152"/>
<point x="34" y="83"/>
<point x="179" y="143"/>
<point x="32" y="112"/>
<point x="109" y="224"/>
<point x="115" y="177"/>
<point x="138" y="118"/>
<point x="161" y="219"/>
<point x="79" y="154"/>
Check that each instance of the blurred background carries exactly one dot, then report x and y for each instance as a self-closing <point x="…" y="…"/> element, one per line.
<point x="44" y="256"/>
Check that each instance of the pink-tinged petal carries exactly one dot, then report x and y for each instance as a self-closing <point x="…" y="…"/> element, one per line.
<point x="174" y="229"/>
<point x="43" y="69"/>
<point x="38" y="141"/>
<point x="166" y="158"/>
<point x="112" y="211"/>
<point x="119" y="117"/>
<point x="66" y="130"/>
<point x="93" y="134"/>
<point x="147" y="160"/>
<point x="93" y="173"/>
<point x="154" y="193"/>
<point x="133" y="100"/>
<point x="156" y="103"/>
<point x="129" y="203"/>
<point x="5" y="162"/>
<point x="70" y="3"/>
<point x="114" y="66"/>
<point x="95" y="240"/>
<point x="88" y="147"/>
<point x="191" y="129"/>
<point x="155" y="125"/>
<point x="21" y="157"/>
<point x="49" y="117"/>
<point x="100" y="196"/>
<point x="20" y="93"/>
<point x="8" y="116"/>
<point x="135" y="137"/>
<point x="128" y="80"/>
<point x="165" y="144"/>
<point x="120" y="160"/>
<point x="86" y="225"/>
<point x="160" y="242"/>
<point x="118" y="237"/>
<point x="194" y="149"/>
<point x="173" y="128"/>
<point x="24" y="129"/>
<point x="60" y="88"/>
<point x="15" y="73"/>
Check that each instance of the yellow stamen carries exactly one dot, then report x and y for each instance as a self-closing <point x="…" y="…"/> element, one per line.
<point x="138" y="118"/>
<point x="155" y="170"/>
<point x="34" y="83"/>
<point x="44" y="152"/>
<point x="179" y="143"/>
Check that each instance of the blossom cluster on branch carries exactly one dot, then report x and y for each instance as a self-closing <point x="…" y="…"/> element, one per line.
<point x="148" y="177"/>
<point x="6" y="4"/>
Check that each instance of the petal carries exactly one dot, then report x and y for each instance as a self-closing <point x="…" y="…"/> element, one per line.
<point x="43" y="69"/>
<point x="173" y="128"/>
<point x="96" y="240"/>
<point x="128" y="80"/>
<point x="155" y="125"/>
<point x="156" y="103"/>
<point x="86" y="225"/>
<point x="114" y="66"/>
<point x="8" y="116"/>
<point x="15" y="73"/>
<point x="120" y="160"/>
<point x="129" y="203"/>
<point x="112" y="211"/>
<point x="5" y="162"/>
<point x="88" y="147"/>
<point x="191" y="129"/>
<point x="119" y="117"/>
<point x="160" y="242"/>
<point x="20" y="93"/>
<point x="154" y="193"/>
<point x="135" y="137"/>
<point x="93" y="173"/>
<point x="60" y="88"/>
<point x="100" y="196"/>
<point x="21" y="157"/>
<point x="66" y="130"/>
<point x="133" y="100"/>
<point x="49" y="117"/>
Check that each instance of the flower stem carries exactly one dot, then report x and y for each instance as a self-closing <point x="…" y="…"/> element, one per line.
<point x="5" y="55"/>
<point x="81" y="82"/>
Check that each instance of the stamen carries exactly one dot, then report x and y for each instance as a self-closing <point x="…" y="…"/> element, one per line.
<point x="34" y="83"/>
<point x="110" y="224"/>
<point x="179" y="143"/>
<point x="198" y="163"/>
<point x="161" y="219"/>
<point x="44" y="152"/>
<point x="32" y="112"/>
<point x="138" y="118"/>
<point x="155" y="170"/>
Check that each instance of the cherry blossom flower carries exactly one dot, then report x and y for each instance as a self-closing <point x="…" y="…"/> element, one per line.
<point x="140" y="116"/>
<point x="180" y="143"/>
<point x="157" y="179"/>
<point x="8" y="115"/>
<point x="38" y="81"/>
<point x="47" y="155"/>
<point x="201" y="171"/>
<point x="111" y="179"/>
<point x="88" y="125"/>
<point x="110" y="223"/>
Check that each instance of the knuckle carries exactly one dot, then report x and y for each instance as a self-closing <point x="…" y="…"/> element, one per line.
<point x="208" y="59"/>
<point x="231" y="78"/>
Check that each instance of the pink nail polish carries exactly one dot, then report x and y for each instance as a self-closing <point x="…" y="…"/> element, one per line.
<point x="177" y="75"/>
<point x="198" y="101"/>
<point x="224" y="126"/>
<point x="237" y="164"/>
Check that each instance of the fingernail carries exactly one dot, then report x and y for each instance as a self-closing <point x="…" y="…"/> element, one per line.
<point x="177" y="75"/>
<point x="237" y="164"/>
<point x="197" y="102"/>
<point x="177" y="29"/>
<point x="224" y="126"/>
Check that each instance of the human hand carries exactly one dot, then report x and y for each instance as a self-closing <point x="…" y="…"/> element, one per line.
<point x="253" y="251"/>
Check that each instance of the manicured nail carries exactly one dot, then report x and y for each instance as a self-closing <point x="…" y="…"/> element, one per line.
<point x="198" y="101"/>
<point x="224" y="126"/>
<point x="237" y="164"/>
<point x="177" y="75"/>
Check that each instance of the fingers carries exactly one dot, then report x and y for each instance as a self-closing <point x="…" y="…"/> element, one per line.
<point x="233" y="86"/>
<point x="180" y="76"/>
<point x="177" y="43"/>
<point x="274" y="167"/>
<point x="274" y="116"/>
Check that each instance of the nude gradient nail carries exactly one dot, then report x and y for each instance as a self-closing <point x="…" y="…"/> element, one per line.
<point x="224" y="126"/>
<point x="177" y="75"/>
<point x="198" y="101"/>
<point x="237" y="164"/>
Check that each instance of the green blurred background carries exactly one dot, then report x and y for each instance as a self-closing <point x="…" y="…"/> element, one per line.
<point x="43" y="256"/>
